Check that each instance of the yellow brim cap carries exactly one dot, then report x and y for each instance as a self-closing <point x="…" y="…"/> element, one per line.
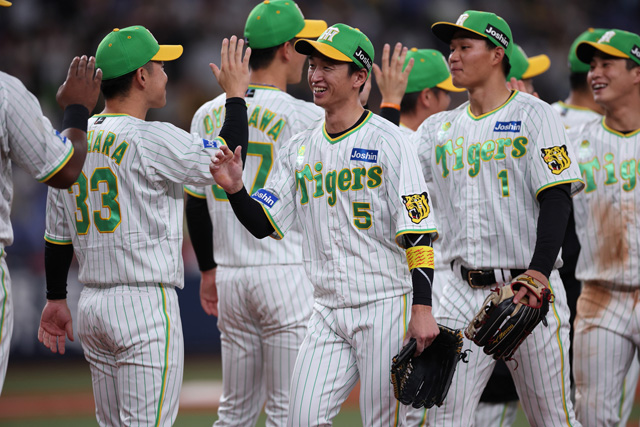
<point x="537" y="65"/>
<point x="448" y="85"/>
<point x="5" y="3"/>
<point x="306" y="47"/>
<point x="585" y="51"/>
<point x="168" y="52"/>
<point x="313" y="28"/>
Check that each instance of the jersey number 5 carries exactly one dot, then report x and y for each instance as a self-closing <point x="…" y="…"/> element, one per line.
<point x="109" y="201"/>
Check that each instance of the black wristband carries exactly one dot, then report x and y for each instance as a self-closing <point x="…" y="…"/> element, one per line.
<point x="57" y="260"/>
<point x="75" y="116"/>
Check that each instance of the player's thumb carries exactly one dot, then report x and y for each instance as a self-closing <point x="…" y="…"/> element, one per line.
<point x="69" y="329"/>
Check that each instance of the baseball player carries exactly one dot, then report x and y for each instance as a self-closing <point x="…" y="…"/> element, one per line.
<point x="123" y="218"/>
<point x="28" y="139"/>
<point x="265" y="297"/>
<point x="524" y="69"/>
<point x="357" y="191"/>
<point x="606" y="339"/>
<point x="501" y="173"/>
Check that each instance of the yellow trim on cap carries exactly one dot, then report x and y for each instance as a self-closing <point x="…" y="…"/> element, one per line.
<point x="447" y="84"/>
<point x="609" y="50"/>
<point x="449" y="24"/>
<point x="313" y="28"/>
<point x="327" y="50"/>
<point x="168" y="52"/>
<point x="5" y="3"/>
<point x="537" y="65"/>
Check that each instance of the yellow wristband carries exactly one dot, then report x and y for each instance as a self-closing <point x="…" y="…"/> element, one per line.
<point x="390" y="105"/>
<point x="420" y="256"/>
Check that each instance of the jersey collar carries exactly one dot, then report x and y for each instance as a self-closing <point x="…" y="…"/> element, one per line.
<point x="470" y="114"/>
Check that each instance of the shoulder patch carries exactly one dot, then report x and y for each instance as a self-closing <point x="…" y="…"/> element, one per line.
<point x="207" y="143"/>
<point x="556" y="158"/>
<point x="61" y="137"/>
<point x="417" y="206"/>
<point x="364" y="155"/>
<point x="265" y="197"/>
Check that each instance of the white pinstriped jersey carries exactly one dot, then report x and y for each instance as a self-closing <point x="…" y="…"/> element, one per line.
<point x="27" y="138"/>
<point x="607" y="212"/>
<point x="353" y="196"/>
<point x="486" y="173"/>
<point x="124" y="214"/>
<point x="274" y="117"/>
<point x="573" y="116"/>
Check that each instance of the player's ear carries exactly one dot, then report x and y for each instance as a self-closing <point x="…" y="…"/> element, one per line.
<point x="497" y="54"/>
<point x="141" y="77"/>
<point x="426" y="97"/>
<point x="287" y="51"/>
<point x="360" y="77"/>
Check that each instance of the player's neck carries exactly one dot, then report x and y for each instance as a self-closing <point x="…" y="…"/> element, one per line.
<point x="412" y="120"/>
<point x="624" y="115"/>
<point x="584" y="99"/>
<point x="125" y="106"/>
<point x="270" y="76"/>
<point x="488" y="96"/>
<point x="343" y="116"/>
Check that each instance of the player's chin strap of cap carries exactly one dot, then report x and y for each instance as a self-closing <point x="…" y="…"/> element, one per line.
<point x="420" y="260"/>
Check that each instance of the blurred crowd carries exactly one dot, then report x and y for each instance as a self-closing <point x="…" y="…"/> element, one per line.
<point x="38" y="39"/>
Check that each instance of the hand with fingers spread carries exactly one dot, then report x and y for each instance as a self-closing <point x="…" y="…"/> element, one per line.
<point x="391" y="79"/>
<point x="55" y="323"/>
<point x="82" y="85"/>
<point x="226" y="168"/>
<point x="233" y="73"/>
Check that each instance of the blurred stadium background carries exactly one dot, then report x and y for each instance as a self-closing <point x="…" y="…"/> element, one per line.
<point x="38" y="39"/>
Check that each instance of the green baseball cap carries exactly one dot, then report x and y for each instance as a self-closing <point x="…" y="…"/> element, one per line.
<point x="591" y="35"/>
<point x="274" y="22"/>
<point x="342" y="43"/>
<point x="125" y="50"/>
<point x="617" y="43"/>
<point x="525" y="67"/>
<point x="485" y="24"/>
<point x="429" y="70"/>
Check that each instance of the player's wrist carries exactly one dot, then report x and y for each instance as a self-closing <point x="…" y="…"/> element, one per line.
<point x="75" y="116"/>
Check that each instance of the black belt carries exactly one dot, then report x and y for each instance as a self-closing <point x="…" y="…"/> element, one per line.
<point x="477" y="278"/>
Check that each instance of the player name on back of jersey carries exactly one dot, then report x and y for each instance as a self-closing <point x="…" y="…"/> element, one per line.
<point x="103" y="144"/>
<point x="260" y="118"/>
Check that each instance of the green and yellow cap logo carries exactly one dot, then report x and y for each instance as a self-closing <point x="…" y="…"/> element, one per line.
<point x="429" y="70"/>
<point x="617" y="43"/>
<point x="591" y="35"/>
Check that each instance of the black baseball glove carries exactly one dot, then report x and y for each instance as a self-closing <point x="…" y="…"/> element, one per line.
<point x="500" y="326"/>
<point x="424" y="380"/>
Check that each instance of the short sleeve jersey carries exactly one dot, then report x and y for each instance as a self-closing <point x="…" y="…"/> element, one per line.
<point x="572" y="115"/>
<point x="486" y="173"/>
<point x="354" y="196"/>
<point x="124" y="214"/>
<point x="607" y="212"/>
<point x="274" y="116"/>
<point x="28" y="139"/>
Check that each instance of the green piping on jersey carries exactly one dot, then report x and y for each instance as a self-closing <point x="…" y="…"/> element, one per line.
<point x="6" y="296"/>
<point x="482" y="116"/>
<point x="273" y="223"/>
<point x="263" y="87"/>
<point x="60" y="166"/>
<point x="567" y="181"/>
<point x="615" y="132"/>
<point x="57" y="242"/>
<point x="623" y="396"/>
<point x="194" y="194"/>
<point x="429" y="231"/>
<point x="347" y="134"/>
<point x="166" y="356"/>
<point x="112" y="115"/>
<point x="564" y="395"/>
<point x="574" y="107"/>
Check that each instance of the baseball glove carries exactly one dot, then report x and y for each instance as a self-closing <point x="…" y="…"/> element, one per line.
<point x="425" y="380"/>
<point x="500" y="326"/>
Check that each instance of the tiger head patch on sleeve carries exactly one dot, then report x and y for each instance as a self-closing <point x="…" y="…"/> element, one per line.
<point x="417" y="206"/>
<point x="556" y="158"/>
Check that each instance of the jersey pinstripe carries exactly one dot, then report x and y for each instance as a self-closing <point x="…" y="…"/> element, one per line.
<point x="274" y="117"/>
<point x="124" y="214"/>
<point x="607" y="211"/>
<point x="27" y="138"/>
<point x="522" y="148"/>
<point x="348" y="195"/>
<point x="572" y="115"/>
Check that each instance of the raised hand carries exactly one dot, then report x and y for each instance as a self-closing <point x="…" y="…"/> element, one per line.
<point x="226" y="168"/>
<point x="82" y="85"/>
<point x="233" y="73"/>
<point x="391" y="79"/>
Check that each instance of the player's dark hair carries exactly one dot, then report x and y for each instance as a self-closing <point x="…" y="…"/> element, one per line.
<point x="410" y="100"/>
<point x="120" y="86"/>
<point x="631" y="64"/>
<point x="506" y="66"/>
<point x="578" y="81"/>
<point x="262" y="58"/>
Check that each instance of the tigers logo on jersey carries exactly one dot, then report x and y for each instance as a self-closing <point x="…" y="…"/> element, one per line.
<point x="556" y="159"/>
<point x="417" y="206"/>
